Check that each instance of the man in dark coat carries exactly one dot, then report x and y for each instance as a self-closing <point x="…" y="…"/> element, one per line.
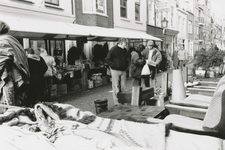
<point x="118" y="61"/>
<point x="37" y="67"/>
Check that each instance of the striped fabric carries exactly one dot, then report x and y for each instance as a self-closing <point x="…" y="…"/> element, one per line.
<point x="214" y="113"/>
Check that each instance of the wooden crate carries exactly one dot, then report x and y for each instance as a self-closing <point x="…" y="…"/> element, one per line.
<point x="141" y="95"/>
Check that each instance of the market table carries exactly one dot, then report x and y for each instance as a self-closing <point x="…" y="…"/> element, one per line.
<point x="135" y="113"/>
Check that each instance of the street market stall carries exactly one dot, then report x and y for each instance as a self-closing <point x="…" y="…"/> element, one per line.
<point x="59" y="37"/>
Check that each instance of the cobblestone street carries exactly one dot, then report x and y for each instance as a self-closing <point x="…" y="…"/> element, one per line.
<point x="85" y="99"/>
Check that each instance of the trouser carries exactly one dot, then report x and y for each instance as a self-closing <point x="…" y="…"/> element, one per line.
<point x="48" y="87"/>
<point x="136" y="81"/>
<point x="181" y="64"/>
<point x="146" y="80"/>
<point x="118" y="83"/>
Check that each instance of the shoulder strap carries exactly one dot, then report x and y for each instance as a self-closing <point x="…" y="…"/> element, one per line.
<point x="139" y="54"/>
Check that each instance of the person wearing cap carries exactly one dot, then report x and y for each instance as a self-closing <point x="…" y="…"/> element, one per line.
<point x="118" y="61"/>
<point x="153" y="57"/>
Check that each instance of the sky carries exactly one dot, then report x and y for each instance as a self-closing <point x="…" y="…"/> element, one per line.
<point x="218" y="7"/>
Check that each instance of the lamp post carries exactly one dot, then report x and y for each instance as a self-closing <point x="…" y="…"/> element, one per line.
<point x="164" y="24"/>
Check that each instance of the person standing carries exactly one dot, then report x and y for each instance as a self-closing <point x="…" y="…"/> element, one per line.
<point x="222" y="68"/>
<point x="118" y="61"/>
<point x="37" y="67"/>
<point x="137" y="63"/>
<point x="48" y="76"/>
<point x="14" y="70"/>
<point x="153" y="58"/>
<point x="182" y="57"/>
<point x="175" y="58"/>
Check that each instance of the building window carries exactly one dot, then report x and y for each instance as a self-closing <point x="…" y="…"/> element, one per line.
<point x="100" y="6"/>
<point x="94" y="6"/>
<point x="52" y="2"/>
<point x="137" y="10"/>
<point x="189" y="26"/>
<point x="123" y="8"/>
<point x="171" y="21"/>
<point x="184" y="27"/>
<point x="179" y="23"/>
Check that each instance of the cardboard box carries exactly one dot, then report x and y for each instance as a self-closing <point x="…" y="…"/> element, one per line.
<point x="61" y="89"/>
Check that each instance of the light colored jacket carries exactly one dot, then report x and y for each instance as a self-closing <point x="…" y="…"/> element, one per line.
<point x="50" y="61"/>
<point x="182" y="55"/>
<point x="156" y="55"/>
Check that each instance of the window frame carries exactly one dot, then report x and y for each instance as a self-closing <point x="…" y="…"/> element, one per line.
<point x="190" y="27"/>
<point x="104" y="7"/>
<point x="171" y="21"/>
<point x="51" y="3"/>
<point x="94" y="8"/>
<point x="138" y="3"/>
<point x="124" y="7"/>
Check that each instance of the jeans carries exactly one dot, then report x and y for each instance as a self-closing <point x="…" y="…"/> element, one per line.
<point x="118" y="83"/>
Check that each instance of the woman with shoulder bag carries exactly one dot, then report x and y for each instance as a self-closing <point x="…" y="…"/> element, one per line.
<point x="137" y="63"/>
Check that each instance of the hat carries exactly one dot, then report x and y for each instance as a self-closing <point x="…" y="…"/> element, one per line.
<point x="150" y="43"/>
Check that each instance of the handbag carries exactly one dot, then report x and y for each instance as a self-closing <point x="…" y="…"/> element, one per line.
<point x="145" y="69"/>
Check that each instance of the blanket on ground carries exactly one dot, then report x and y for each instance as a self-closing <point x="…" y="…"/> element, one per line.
<point x="63" y="126"/>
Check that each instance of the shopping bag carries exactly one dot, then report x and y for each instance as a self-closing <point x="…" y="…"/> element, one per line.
<point x="145" y="69"/>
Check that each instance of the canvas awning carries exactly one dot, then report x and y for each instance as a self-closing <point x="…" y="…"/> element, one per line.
<point x="21" y="27"/>
<point x="100" y="33"/>
<point x="31" y="28"/>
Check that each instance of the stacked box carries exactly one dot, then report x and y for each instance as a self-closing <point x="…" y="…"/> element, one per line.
<point x="97" y="79"/>
<point x="54" y="90"/>
<point x="61" y="89"/>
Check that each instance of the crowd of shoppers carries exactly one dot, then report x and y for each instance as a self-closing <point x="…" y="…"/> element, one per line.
<point x="141" y="58"/>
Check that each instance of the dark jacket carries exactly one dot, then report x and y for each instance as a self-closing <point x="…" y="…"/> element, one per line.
<point x="137" y="63"/>
<point x="36" y="87"/>
<point x="117" y="58"/>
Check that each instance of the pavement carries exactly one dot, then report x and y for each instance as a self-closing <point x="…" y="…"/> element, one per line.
<point x="84" y="100"/>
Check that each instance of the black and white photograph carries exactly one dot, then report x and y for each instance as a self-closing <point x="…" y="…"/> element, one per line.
<point x="112" y="74"/>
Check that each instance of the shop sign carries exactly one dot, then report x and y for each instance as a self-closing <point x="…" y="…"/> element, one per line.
<point x="162" y="7"/>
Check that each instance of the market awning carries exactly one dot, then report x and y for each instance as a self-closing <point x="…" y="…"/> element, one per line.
<point x="100" y="33"/>
<point x="31" y="28"/>
<point x="21" y="27"/>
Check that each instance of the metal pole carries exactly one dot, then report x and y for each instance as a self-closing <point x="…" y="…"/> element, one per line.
<point x="165" y="39"/>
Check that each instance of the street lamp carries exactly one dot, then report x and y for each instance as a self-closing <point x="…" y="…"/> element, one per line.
<point x="164" y="24"/>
